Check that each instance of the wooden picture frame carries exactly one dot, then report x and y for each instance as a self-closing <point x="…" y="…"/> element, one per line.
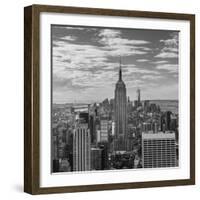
<point x="32" y="98"/>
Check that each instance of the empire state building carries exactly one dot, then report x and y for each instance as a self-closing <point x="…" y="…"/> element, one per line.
<point x="120" y="114"/>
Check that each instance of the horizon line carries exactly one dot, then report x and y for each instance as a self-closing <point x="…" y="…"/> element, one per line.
<point x="113" y="99"/>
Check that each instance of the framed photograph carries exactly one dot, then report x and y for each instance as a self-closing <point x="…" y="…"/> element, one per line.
<point x="109" y="99"/>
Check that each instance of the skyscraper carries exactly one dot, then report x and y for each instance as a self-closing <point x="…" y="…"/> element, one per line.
<point x="166" y="121"/>
<point x="138" y="103"/>
<point x="96" y="158"/>
<point x="104" y="130"/>
<point x="120" y="114"/>
<point x="138" y="92"/>
<point x="158" y="150"/>
<point x="81" y="148"/>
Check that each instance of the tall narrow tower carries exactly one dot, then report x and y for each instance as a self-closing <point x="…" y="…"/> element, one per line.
<point x="138" y="93"/>
<point x="120" y="114"/>
<point x="81" y="148"/>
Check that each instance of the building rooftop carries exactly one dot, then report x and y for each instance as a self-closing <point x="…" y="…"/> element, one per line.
<point x="159" y="135"/>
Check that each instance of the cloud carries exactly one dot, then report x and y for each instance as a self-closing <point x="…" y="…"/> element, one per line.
<point x="160" y="62"/>
<point x="113" y="41"/>
<point x="142" y="60"/>
<point x="151" y="77"/>
<point x="67" y="84"/>
<point x="172" y="42"/>
<point x="69" y="38"/>
<point x="67" y="55"/>
<point x="109" y="33"/>
<point x="87" y="66"/>
<point x="121" y="41"/>
<point x="170" y="47"/>
<point x="167" y="55"/>
<point x="113" y="37"/>
<point x="84" y="63"/>
<point x="69" y="27"/>
<point x="130" y="70"/>
<point x="172" y="68"/>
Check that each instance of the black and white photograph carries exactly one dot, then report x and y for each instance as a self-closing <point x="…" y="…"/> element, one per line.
<point x="114" y="98"/>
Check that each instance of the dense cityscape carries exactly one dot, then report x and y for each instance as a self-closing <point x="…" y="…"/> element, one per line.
<point x="114" y="134"/>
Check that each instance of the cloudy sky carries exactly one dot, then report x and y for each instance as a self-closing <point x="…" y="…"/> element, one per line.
<point x="85" y="63"/>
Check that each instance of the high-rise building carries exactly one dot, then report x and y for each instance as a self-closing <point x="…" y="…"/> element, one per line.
<point x="92" y="128"/>
<point x="120" y="114"/>
<point x="54" y="143"/>
<point x="155" y="127"/>
<point x="158" y="150"/>
<point x="112" y="104"/>
<point x="84" y="117"/>
<point x="137" y="103"/>
<point x="174" y="123"/>
<point x="104" y="130"/>
<point x="98" y="136"/>
<point x="162" y="123"/>
<point x="150" y="127"/>
<point x="146" y="126"/>
<point x="104" y="147"/>
<point x="61" y="142"/>
<point x="96" y="158"/>
<point x="146" y="105"/>
<point x="113" y="128"/>
<point x="138" y="92"/>
<point x="56" y="165"/>
<point x="54" y="149"/>
<point x="166" y="121"/>
<point x="81" y="148"/>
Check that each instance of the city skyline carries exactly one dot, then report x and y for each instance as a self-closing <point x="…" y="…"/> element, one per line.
<point x="86" y="60"/>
